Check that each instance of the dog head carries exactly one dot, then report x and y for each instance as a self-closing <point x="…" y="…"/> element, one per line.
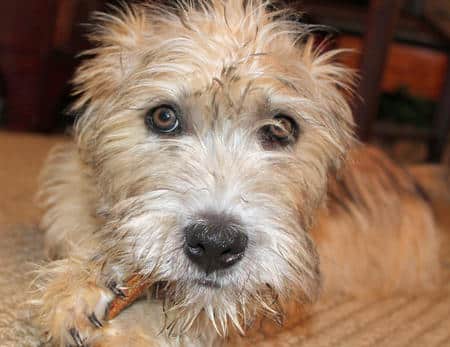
<point x="210" y="130"/>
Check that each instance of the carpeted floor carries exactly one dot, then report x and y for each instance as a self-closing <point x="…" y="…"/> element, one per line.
<point x="397" y="321"/>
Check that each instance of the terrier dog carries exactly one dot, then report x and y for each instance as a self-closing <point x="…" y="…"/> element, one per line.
<point x="207" y="159"/>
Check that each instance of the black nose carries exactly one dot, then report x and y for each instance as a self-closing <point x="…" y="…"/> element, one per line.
<point x="215" y="242"/>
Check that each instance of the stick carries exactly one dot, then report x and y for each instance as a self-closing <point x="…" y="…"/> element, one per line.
<point x="135" y="286"/>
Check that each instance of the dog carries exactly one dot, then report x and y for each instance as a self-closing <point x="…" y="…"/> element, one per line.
<point x="214" y="155"/>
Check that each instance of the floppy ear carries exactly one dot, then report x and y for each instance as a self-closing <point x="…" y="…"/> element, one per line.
<point x="116" y="37"/>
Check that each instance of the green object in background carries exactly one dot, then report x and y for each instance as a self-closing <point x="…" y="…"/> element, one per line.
<point x="402" y="108"/>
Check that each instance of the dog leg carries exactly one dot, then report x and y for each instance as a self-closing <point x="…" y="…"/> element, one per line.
<point x="72" y="302"/>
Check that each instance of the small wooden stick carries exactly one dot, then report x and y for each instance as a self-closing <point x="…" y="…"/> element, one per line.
<point x="135" y="286"/>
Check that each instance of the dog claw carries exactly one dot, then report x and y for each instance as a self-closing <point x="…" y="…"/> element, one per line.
<point x="94" y="320"/>
<point x="112" y="285"/>
<point x="76" y="338"/>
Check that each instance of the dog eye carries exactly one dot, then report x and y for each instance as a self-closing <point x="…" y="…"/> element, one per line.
<point x="163" y="119"/>
<point x="282" y="132"/>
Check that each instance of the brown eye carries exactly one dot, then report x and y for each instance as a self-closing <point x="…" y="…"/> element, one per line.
<point x="163" y="119"/>
<point x="283" y="132"/>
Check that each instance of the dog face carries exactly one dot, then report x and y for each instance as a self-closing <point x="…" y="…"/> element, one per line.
<point x="210" y="131"/>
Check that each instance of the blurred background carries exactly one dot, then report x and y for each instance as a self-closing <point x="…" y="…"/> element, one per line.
<point x="401" y="48"/>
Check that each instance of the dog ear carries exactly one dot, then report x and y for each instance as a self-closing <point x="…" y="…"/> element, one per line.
<point x="336" y="83"/>
<point x="115" y="37"/>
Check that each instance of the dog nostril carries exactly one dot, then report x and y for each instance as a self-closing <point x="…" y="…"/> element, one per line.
<point x="196" y="251"/>
<point x="229" y="258"/>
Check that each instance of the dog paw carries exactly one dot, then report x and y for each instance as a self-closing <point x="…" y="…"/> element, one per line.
<point x="78" y="318"/>
<point x="115" y="288"/>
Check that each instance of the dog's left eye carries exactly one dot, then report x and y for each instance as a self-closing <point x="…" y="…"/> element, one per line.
<point x="282" y="132"/>
<point x="163" y="119"/>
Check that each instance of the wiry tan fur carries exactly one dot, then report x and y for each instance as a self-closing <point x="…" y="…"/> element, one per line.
<point x="118" y="199"/>
<point x="377" y="235"/>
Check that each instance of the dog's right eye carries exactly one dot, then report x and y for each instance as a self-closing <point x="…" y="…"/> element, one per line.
<point x="163" y="119"/>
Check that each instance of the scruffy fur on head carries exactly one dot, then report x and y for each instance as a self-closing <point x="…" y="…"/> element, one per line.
<point x="118" y="200"/>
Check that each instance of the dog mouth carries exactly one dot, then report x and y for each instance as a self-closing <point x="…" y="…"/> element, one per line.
<point x="209" y="283"/>
<point x="160" y="289"/>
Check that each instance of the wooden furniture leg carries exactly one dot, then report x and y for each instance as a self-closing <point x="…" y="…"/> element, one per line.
<point x="441" y="123"/>
<point x="383" y="15"/>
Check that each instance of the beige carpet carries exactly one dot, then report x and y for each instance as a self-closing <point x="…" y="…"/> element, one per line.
<point x="397" y="321"/>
